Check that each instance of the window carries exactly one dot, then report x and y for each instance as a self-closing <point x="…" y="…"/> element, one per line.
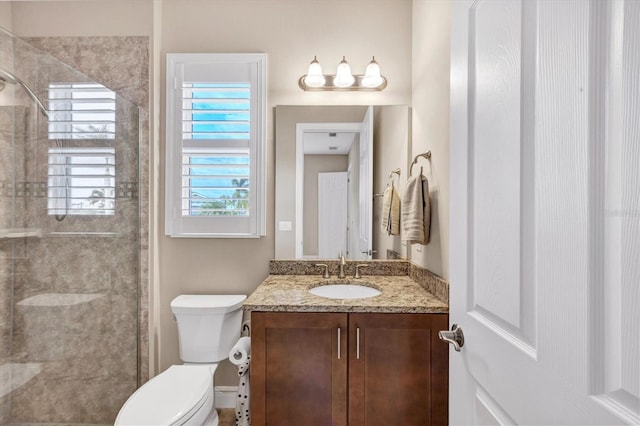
<point x="81" y="111"/>
<point x="216" y="107"/>
<point x="82" y="177"/>
<point x="81" y="181"/>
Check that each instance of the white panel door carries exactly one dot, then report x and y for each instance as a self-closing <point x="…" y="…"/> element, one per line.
<point x="365" y="242"/>
<point x="332" y="214"/>
<point x="545" y="212"/>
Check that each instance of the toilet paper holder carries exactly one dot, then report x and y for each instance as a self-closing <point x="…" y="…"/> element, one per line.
<point x="241" y="351"/>
<point x="246" y="328"/>
<point x="237" y="353"/>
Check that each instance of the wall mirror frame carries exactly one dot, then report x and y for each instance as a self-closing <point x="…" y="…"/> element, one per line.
<point x="390" y="150"/>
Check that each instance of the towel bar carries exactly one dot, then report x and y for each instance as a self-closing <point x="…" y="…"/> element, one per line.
<point x="425" y="155"/>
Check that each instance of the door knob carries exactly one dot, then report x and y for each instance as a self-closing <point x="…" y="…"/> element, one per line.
<point x="455" y="336"/>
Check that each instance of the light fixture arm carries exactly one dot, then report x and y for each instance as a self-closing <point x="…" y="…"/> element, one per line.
<point x="329" y="86"/>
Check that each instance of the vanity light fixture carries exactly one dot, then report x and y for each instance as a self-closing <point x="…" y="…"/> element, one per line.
<point x="372" y="77"/>
<point x="314" y="77"/>
<point x="343" y="80"/>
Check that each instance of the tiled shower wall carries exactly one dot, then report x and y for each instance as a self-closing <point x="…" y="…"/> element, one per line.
<point x="102" y="257"/>
<point x="12" y="128"/>
<point x="122" y="64"/>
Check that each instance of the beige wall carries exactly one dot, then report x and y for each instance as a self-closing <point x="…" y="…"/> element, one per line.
<point x="430" y="122"/>
<point x="82" y="18"/>
<point x="391" y="142"/>
<point x="292" y="32"/>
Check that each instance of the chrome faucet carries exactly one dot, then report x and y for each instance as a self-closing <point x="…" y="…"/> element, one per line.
<point x="341" y="265"/>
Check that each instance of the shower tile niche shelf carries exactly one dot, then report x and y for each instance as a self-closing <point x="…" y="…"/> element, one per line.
<point x="348" y="368"/>
<point x="14" y="233"/>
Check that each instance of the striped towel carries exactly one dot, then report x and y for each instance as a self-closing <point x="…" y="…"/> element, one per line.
<point x="390" y="222"/>
<point x="416" y="211"/>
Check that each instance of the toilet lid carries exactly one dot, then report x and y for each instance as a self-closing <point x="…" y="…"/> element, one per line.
<point x="169" y="397"/>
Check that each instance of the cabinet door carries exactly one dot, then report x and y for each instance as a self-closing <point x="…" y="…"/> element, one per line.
<point x="398" y="369"/>
<point x="298" y="368"/>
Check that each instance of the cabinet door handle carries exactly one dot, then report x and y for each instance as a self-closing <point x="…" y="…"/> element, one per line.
<point x="338" y="342"/>
<point x="357" y="342"/>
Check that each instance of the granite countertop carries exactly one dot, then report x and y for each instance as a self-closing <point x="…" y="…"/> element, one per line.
<point x="289" y="293"/>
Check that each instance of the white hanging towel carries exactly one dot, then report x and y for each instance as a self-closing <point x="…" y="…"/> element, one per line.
<point x="390" y="222"/>
<point x="243" y="414"/>
<point x="416" y="211"/>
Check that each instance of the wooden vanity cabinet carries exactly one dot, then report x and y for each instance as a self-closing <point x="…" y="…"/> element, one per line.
<point x="298" y="369"/>
<point x="398" y="369"/>
<point x="387" y="369"/>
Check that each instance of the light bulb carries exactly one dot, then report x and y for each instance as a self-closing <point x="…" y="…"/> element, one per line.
<point x="372" y="76"/>
<point x="314" y="77"/>
<point x="343" y="78"/>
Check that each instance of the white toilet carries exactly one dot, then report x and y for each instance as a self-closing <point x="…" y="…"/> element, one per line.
<point x="208" y="327"/>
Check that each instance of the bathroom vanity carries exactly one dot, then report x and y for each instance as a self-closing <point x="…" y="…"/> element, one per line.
<point x="327" y="361"/>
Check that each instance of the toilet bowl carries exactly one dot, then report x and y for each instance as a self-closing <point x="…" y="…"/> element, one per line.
<point x="181" y="395"/>
<point x="208" y="327"/>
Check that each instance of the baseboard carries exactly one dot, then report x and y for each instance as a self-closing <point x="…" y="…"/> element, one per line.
<point x="226" y="396"/>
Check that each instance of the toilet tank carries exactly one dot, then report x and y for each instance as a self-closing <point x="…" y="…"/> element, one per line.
<point x="208" y="325"/>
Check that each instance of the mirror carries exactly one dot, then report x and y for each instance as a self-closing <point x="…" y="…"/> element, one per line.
<point x="326" y="144"/>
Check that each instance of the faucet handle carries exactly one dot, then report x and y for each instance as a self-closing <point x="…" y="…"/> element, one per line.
<point x="356" y="273"/>
<point x="325" y="274"/>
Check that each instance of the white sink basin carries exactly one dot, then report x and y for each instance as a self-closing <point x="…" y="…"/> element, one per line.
<point x="344" y="291"/>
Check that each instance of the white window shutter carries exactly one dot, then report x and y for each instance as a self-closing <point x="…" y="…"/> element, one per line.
<point x="81" y="111"/>
<point x="82" y="181"/>
<point x="216" y="108"/>
<point x="81" y="178"/>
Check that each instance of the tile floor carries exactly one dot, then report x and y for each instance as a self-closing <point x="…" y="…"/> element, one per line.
<point x="227" y="417"/>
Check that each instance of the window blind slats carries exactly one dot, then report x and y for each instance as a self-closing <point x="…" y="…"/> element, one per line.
<point x="81" y="111"/>
<point x="215" y="175"/>
<point x="82" y="135"/>
<point x="93" y="119"/>
<point x="81" y="181"/>
<point x="220" y="123"/>
<point x="199" y="97"/>
<point x="80" y="200"/>
<point x="215" y="104"/>
<point x="212" y="111"/>
<point x="220" y="189"/>
<point x="84" y="176"/>
<point x="72" y="97"/>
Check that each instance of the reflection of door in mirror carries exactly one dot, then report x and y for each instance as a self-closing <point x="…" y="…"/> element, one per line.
<point x="365" y="193"/>
<point x="327" y="148"/>
<point x="316" y="164"/>
<point x="297" y="177"/>
<point x="332" y="214"/>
